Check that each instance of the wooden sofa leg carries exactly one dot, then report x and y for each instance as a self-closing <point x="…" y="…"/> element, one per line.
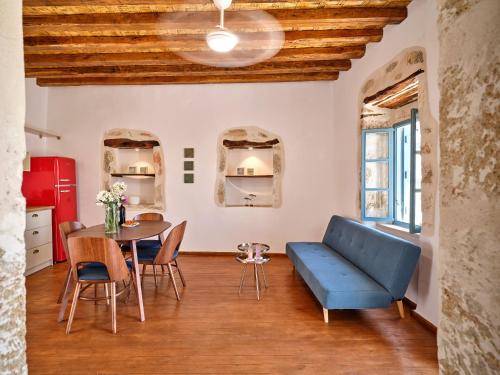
<point x="325" y="315"/>
<point x="401" y="309"/>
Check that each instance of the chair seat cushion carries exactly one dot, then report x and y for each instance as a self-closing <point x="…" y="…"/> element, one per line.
<point x="148" y="254"/>
<point x="335" y="281"/>
<point x="96" y="271"/>
<point x="143" y="244"/>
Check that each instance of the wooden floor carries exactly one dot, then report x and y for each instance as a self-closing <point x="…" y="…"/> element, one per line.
<point x="214" y="331"/>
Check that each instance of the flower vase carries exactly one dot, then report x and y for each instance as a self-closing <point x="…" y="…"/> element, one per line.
<point x="111" y="221"/>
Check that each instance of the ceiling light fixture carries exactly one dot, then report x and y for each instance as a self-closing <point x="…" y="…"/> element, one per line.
<point x="222" y="40"/>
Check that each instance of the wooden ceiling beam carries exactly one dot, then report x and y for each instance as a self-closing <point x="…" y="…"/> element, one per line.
<point x="202" y="22"/>
<point x="250" y="78"/>
<point x="153" y="43"/>
<point x="394" y="89"/>
<point x="192" y="69"/>
<point x="169" y="58"/>
<point x="44" y="7"/>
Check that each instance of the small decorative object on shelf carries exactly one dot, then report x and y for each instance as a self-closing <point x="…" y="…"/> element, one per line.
<point x="132" y="169"/>
<point x="143" y="170"/>
<point x="249" y="200"/>
<point x="250" y="171"/>
<point x="111" y="200"/>
<point x="240" y="171"/>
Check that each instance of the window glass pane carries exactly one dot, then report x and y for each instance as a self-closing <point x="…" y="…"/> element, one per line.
<point x="417" y="136"/>
<point x="402" y="173"/>
<point x="377" y="203"/>
<point x="377" y="146"/>
<point x="418" y="171"/>
<point x="418" y="208"/>
<point x="377" y="175"/>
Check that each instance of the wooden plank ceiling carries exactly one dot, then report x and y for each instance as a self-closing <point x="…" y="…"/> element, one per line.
<point x="114" y="42"/>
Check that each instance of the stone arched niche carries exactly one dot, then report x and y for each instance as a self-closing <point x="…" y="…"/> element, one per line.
<point x="148" y="183"/>
<point x="387" y="98"/>
<point x="243" y="148"/>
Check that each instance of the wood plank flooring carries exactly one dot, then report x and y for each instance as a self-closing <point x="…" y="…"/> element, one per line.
<point x="212" y="330"/>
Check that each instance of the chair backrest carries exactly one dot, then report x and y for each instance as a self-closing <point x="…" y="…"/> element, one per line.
<point x="98" y="249"/>
<point x="149" y="216"/>
<point x="171" y="244"/>
<point x="64" y="230"/>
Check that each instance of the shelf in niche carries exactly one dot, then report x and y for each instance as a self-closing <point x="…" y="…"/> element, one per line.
<point x="133" y="175"/>
<point x="252" y="176"/>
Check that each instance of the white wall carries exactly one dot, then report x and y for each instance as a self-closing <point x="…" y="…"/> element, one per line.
<point x="36" y="116"/>
<point x="419" y="29"/>
<point x="193" y="116"/>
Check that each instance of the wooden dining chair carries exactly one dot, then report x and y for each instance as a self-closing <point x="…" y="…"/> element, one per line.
<point x="149" y="216"/>
<point x="166" y="255"/>
<point x="65" y="229"/>
<point x="147" y="245"/>
<point x="84" y="250"/>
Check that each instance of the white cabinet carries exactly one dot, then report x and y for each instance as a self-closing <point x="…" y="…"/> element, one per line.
<point x="38" y="239"/>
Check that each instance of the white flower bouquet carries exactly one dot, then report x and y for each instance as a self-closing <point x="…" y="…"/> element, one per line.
<point x="111" y="199"/>
<point x="112" y="196"/>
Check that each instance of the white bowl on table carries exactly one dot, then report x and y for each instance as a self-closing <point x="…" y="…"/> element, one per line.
<point x="134" y="200"/>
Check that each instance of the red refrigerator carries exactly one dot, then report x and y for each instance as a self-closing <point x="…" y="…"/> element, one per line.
<point x="51" y="181"/>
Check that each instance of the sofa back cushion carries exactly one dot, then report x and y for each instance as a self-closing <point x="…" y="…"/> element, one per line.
<point x="387" y="259"/>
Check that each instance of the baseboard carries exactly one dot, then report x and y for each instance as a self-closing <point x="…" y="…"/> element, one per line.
<point x="424" y="322"/>
<point x="412" y="306"/>
<point x="409" y="304"/>
<point x="222" y="253"/>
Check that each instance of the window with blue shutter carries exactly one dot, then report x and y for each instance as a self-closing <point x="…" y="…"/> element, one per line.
<point x="391" y="174"/>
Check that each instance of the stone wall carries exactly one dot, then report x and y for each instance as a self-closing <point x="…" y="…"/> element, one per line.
<point x="12" y="205"/>
<point x="469" y="330"/>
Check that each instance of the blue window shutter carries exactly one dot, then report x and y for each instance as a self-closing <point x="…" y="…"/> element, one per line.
<point x="413" y="169"/>
<point x="369" y="215"/>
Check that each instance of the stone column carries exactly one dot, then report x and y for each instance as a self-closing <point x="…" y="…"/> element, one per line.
<point x="12" y="205"/>
<point x="469" y="329"/>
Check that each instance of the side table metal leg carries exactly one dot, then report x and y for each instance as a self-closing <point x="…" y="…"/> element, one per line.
<point x="242" y="277"/>
<point x="256" y="274"/>
<point x="263" y="274"/>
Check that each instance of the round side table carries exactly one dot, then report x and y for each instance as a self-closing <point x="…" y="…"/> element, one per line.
<point x="263" y="258"/>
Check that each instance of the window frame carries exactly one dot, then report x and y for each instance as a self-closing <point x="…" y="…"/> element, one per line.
<point x="395" y="127"/>
<point x="389" y="161"/>
<point x="392" y="165"/>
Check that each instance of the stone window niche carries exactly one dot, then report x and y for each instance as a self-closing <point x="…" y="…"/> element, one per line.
<point x="136" y="158"/>
<point x="249" y="168"/>
<point x="387" y="98"/>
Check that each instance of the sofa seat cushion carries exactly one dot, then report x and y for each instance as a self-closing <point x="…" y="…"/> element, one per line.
<point x="335" y="281"/>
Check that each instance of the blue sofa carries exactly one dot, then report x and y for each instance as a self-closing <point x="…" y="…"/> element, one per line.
<point x="355" y="267"/>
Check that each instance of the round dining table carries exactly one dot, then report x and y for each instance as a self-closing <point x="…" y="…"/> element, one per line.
<point x="131" y="235"/>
